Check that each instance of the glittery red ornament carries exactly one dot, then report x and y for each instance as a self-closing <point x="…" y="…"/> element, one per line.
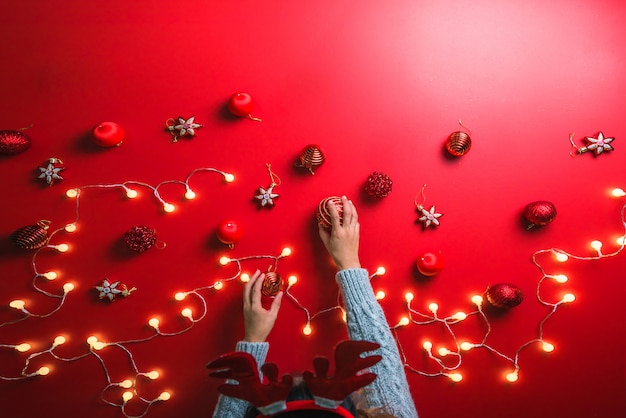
<point x="504" y="295"/>
<point x="140" y="238"/>
<point x="540" y="212"/>
<point x="32" y="236"/>
<point x="229" y="232"/>
<point x="272" y="284"/>
<point x="311" y="157"/>
<point x="13" y="142"/>
<point x="458" y="143"/>
<point x="378" y="185"/>
<point x="324" y="219"/>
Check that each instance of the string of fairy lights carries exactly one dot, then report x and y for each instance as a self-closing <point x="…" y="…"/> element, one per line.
<point x="121" y="393"/>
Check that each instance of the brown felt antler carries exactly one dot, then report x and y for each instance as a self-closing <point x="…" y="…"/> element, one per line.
<point x="348" y="364"/>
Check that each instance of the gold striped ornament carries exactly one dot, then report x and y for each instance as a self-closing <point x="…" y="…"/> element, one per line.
<point x="311" y="157"/>
<point x="31" y="237"/>
<point x="458" y="143"/>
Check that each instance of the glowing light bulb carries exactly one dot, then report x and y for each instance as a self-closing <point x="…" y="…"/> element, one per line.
<point x="344" y="316"/>
<point x="59" y="340"/>
<point x="17" y="304"/>
<point x="286" y="252"/>
<point x="459" y="316"/>
<point x="245" y="277"/>
<point x="190" y="194"/>
<point x="92" y="340"/>
<point x="62" y="248"/>
<point x="408" y="296"/>
<point x="98" y="345"/>
<point x="443" y="351"/>
<point x="71" y="193"/>
<point x="455" y="377"/>
<point x="68" y="287"/>
<point x="433" y="307"/>
<point x="164" y="396"/>
<point x="70" y="228"/>
<point x="477" y="300"/>
<point x="292" y="280"/>
<point x="127" y="396"/>
<point x="180" y="296"/>
<point x="380" y="295"/>
<point x="547" y="347"/>
<point x="618" y="192"/>
<point x="569" y="298"/>
<point x="22" y="347"/>
<point x="427" y="345"/>
<point x="218" y="285"/>
<point x="154" y="323"/>
<point x="229" y="177"/>
<point x="621" y="240"/>
<point x="561" y="257"/>
<point x="131" y="194"/>
<point x="187" y="313"/>
<point x="404" y="321"/>
<point x="596" y="245"/>
<point x="307" y="330"/>
<point x="50" y="275"/>
<point x="126" y="383"/>
<point x="224" y="260"/>
<point x="153" y="375"/>
<point x="168" y="207"/>
<point x="560" y="278"/>
<point x="380" y="271"/>
<point x="465" y="346"/>
<point x="512" y="377"/>
<point x="43" y="371"/>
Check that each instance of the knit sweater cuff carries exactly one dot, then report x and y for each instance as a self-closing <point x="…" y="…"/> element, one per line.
<point x="356" y="286"/>
<point x="257" y="350"/>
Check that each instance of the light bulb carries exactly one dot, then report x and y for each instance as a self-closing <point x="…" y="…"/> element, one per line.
<point x="98" y="345"/>
<point x="547" y="347"/>
<point x="455" y="377"/>
<point x="126" y="383"/>
<point x="618" y="192"/>
<point x="459" y="316"/>
<point x="561" y="257"/>
<point x="224" y="260"/>
<point x="443" y="351"/>
<point x="465" y="346"/>
<point x="153" y="375"/>
<point x="43" y="371"/>
<point x="168" y="207"/>
<point x="245" y="277"/>
<point x="621" y="240"/>
<point x="292" y="280"/>
<point x="190" y="194"/>
<point x="433" y="307"/>
<point x="59" y="340"/>
<point x="62" y="248"/>
<point x="408" y="296"/>
<point x="380" y="271"/>
<point x="596" y="245"/>
<point x="477" y="300"/>
<point x="92" y="340"/>
<point x="187" y="313"/>
<point x="512" y="377"/>
<point x="307" y="330"/>
<point x="68" y="287"/>
<point x="50" y="275"/>
<point x="560" y="278"/>
<point x="569" y="298"/>
<point x="71" y="193"/>
<point x="22" y="347"/>
<point x="164" y="396"/>
<point x="286" y="252"/>
<point x="131" y="194"/>
<point x="70" y="227"/>
<point x="404" y="321"/>
<point x="427" y="345"/>
<point x="180" y="296"/>
<point x="154" y="323"/>
<point x="17" y="304"/>
<point x="218" y="285"/>
<point x="380" y="295"/>
<point x="344" y="316"/>
<point x="229" y="177"/>
<point x="127" y="396"/>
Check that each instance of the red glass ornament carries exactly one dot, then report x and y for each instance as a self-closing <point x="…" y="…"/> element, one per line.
<point x="458" y="143"/>
<point x="229" y="232"/>
<point x="504" y="295"/>
<point x="13" y="142"/>
<point x="242" y="105"/>
<point x="378" y="185"/>
<point x="311" y="157"/>
<point x="272" y="284"/>
<point x="140" y="238"/>
<point x="324" y="219"/>
<point x="540" y="212"/>
<point x="430" y="263"/>
<point x="32" y="236"/>
<point x="108" y="134"/>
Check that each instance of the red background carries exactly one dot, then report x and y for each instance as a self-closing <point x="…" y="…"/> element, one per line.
<point x="379" y="87"/>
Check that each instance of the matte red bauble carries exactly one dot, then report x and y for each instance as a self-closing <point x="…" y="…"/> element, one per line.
<point x="324" y="219"/>
<point x="13" y="142"/>
<point x="108" y="134"/>
<point x="458" y="143"/>
<point x="32" y="236"/>
<point x="242" y="105"/>
<point x="430" y="263"/>
<point x="378" y="185"/>
<point x="311" y="157"/>
<point x="140" y="238"/>
<point x="272" y="284"/>
<point x="504" y="295"/>
<point x="540" y="212"/>
<point x="229" y="232"/>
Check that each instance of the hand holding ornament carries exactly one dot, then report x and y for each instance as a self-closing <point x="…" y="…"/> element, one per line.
<point x="258" y="321"/>
<point x="342" y="240"/>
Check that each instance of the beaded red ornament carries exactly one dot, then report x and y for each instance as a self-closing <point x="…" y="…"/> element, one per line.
<point x="311" y="157"/>
<point x="13" y="142"/>
<point x="458" y="143"/>
<point x="272" y="284"/>
<point x="140" y="238"/>
<point x="539" y="213"/>
<point x="378" y="185"/>
<point x="504" y="295"/>
<point x="324" y="219"/>
<point x="32" y="236"/>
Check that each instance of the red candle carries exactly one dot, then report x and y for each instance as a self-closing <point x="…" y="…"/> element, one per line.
<point x="229" y="232"/>
<point x="108" y="134"/>
<point x="241" y="104"/>
<point x="430" y="263"/>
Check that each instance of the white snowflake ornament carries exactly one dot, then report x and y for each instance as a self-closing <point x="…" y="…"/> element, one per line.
<point x="429" y="217"/>
<point x="597" y="145"/>
<point x="50" y="173"/>
<point x="110" y="290"/>
<point x="267" y="196"/>
<point x="182" y="127"/>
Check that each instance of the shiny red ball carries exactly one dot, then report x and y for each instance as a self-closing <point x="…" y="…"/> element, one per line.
<point x="229" y="232"/>
<point x="241" y="104"/>
<point x="108" y="134"/>
<point x="13" y="142"/>
<point x="324" y="219"/>
<point x="504" y="295"/>
<point x="540" y="212"/>
<point x="430" y="263"/>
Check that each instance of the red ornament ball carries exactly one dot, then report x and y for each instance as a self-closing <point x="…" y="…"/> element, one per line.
<point x="272" y="284"/>
<point x="504" y="295"/>
<point x="458" y="143"/>
<point x="540" y="212"/>
<point x="241" y="104"/>
<point x="430" y="263"/>
<point x="13" y="142"/>
<point x="108" y="134"/>
<point x="324" y="219"/>
<point x="311" y="157"/>
<point x="32" y="236"/>
<point x="229" y="232"/>
<point x="140" y="238"/>
<point x="378" y="185"/>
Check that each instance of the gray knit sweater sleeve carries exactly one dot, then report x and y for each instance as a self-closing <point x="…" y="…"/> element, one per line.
<point x="366" y="321"/>
<point x="231" y="407"/>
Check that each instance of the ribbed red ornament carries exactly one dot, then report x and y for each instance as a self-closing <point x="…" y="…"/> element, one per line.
<point x="32" y="236"/>
<point x="378" y="185"/>
<point x="13" y="142"/>
<point x="504" y="295"/>
<point x="312" y="157"/>
<point x="540" y="212"/>
<point x="272" y="284"/>
<point x="140" y="238"/>
<point x="458" y="143"/>
<point x="324" y="219"/>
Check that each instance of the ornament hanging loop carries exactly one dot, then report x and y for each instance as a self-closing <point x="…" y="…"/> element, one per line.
<point x="420" y="206"/>
<point x="574" y="147"/>
<point x="465" y="127"/>
<point x="274" y="179"/>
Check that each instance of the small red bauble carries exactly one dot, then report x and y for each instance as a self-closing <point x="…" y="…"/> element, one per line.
<point x="140" y="238"/>
<point x="108" y="134"/>
<point x="504" y="295"/>
<point x="378" y="185"/>
<point x="272" y="284"/>
<point x="540" y="212"/>
<point x="242" y="105"/>
<point x="458" y="143"/>
<point x="311" y="157"/>
<point x="229" y="232"/>
<point x="13" y="142"/>
<point x="324" y="219"/>
<point x="32" y="236"/>
<point x="430" y="263"/>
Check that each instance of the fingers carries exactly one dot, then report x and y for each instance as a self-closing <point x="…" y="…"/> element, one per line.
<point x="256" y="287"/>
<point x="276" y="303"/>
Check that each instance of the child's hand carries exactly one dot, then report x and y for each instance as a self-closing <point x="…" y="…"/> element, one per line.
<point x="258" y="321"/>
<point x="342" y="242"/>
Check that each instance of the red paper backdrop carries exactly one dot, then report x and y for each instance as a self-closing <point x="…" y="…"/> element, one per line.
<point x="379" y="87"/>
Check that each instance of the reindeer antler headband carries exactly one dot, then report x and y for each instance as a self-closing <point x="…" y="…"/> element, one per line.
<point x="328" y="392"/>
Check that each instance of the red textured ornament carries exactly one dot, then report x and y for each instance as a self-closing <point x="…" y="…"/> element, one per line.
<point x="272" y="284"/>
<point x="324" y="219"/>
<point x="504" y="295"/>
<point x="378" y="185"/>
<point x="242" y="105"/>
<point x="430" y="263"/>
<point x="540" y="212"/>
<point x="229" y="232"/>
<point x="140" y="238"/>
<point x="32" y="236"/>
<point x="458" y="143"/>
<point x="13" y="142"/>
<point x="311" y="157"/>
<point x="108" y="134"/>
